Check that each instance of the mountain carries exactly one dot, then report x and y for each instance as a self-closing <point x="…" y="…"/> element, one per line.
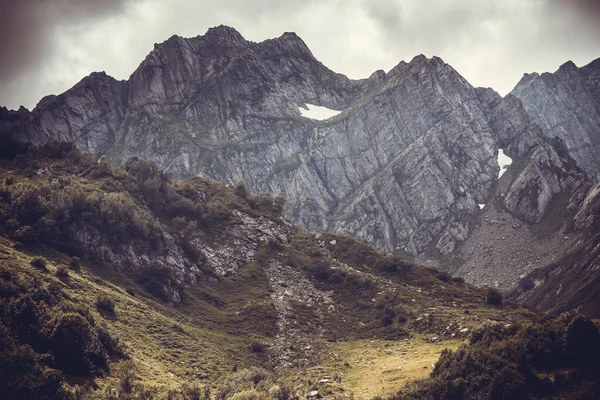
<point x="406" y="165"/>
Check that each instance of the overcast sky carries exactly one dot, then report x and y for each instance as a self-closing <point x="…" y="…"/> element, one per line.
<point x="46" y="46"/>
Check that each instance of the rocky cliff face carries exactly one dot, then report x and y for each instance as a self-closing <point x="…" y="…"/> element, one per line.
<point x="566" y="104"/>
<point x="403" y="166"/>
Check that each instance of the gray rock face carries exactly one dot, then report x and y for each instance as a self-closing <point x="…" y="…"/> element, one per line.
<point x="89" y="115"/>
<point x="403" y="166"/>
<point x="566" y="104"/>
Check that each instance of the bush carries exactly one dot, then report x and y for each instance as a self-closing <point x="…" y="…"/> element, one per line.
<point x="62" y="272"/>
<point x="494" y="297"/>
<point x="458" y="279"/>
<point x="157" y="280"/>
<point x="39" y="263"/>
<point x="105" y="304"/>
<point x="583" y="342"/>
<point x="257" y="347"/>
<point x="387" y="320"/>
<point x="509" y="384"/>
<point x="75" y="263"/>
<point x="193" y="391"/>
<point x="274" y="245"/>
<point x="336" y="278"/>
<point x="75" y="347"/>
<point x="240" y="381"/>
<point x="127" y="376"/>
<point x="241" y="190"/>
<point x="444" y="276"/>
<point x="26" y="234"/>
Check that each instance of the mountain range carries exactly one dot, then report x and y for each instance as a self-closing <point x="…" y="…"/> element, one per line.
<point x="197" y="218"/>
<point x="409" y="161"/>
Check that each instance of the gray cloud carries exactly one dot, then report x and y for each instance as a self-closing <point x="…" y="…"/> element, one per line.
<point x="26" y="28"/>
<point x="49" y="45"/>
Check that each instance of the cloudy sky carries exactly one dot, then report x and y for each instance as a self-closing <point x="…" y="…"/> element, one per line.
<point x="46" y="46"/>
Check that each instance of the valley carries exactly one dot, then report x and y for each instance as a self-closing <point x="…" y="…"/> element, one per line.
<point x="237" y="221"/>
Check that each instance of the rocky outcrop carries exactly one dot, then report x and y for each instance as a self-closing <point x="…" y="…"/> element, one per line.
<point x="403" y="165"/>
<point x="566" y="104"/>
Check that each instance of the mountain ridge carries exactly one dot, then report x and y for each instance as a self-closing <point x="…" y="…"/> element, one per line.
<point x="403" y="166"/>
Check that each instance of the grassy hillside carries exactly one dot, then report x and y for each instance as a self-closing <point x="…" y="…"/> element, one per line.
<point x="194" y="289"/>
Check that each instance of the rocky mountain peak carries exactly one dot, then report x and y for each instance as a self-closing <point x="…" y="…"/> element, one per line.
<point x="408" y="164"/>
<point x="224" y="33"/>
<point x="565" y="105"/>
<point x="568" y="66"/>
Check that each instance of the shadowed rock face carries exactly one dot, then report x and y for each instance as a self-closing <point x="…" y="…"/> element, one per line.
<point x="403" y="166"/>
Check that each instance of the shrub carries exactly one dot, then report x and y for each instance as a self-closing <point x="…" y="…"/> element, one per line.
<point x="39" y="263"/>
<point x="444" y="276"/>
<point x="240" y="381"/>
<point x="110" y="343"/>
<point x="127" y="376"/>
<point x="22" y="376"/>
<point x="281" y="392"/>
<point x="241" y="190"/>
<point x="26" y="234"/>
<point x="458" y="279"/>
<point x="62" y="272"/>
<point x="387" y="320"/>
<point x="392" y="264"/>
<point x="402" y="318"/>
<point x="583" y="342"/>
<point x="75" y="347"/>
<point x="494" y="297"/>
<point x="508" y="384"/>
<point x="193" y="391"/>
<point x="105" y="304"/>
<point x="321" y="271"/>
<point x="257" y="347"/>
<point x="274" y="245"/>
<point x="75" y="263"/>
<point x="336" y="278"/>
<point x="156" y="279"/>
<point x="9" y="180"/>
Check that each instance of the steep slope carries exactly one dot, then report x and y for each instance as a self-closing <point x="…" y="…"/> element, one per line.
<point x="250" y="289"/>
<point x="570" y="282"/>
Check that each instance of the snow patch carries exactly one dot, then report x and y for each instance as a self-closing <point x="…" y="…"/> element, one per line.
<point x="481" y="206"/>
<point x="317" y="112"/>
<point x="503" y="162"/>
